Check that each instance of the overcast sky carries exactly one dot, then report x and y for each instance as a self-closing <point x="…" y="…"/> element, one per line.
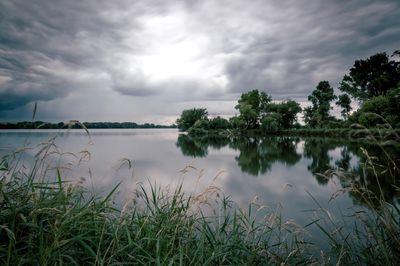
<point x="146" y="61"/>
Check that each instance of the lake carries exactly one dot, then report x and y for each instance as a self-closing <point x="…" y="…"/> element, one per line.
<point x="283" y="173"/>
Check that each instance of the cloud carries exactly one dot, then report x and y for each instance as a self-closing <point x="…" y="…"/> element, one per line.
<point x="286" y="49"/>
<point x="178" y="52"/>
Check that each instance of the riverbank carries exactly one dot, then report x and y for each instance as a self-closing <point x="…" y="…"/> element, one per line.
<point x="377" y="134"/>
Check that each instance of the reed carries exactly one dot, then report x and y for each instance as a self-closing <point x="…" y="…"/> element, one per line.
<point x="45" y="220"/>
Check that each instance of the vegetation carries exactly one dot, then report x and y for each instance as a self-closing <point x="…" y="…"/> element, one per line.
<point x="372" y="77"/>
<point x="45" y="220"/>
<point x="252" y="105"/>
<point x="344" y="102"/>
<point x="320" y="98"/>
<point x="75" y="124"/>
<point x="190" y="117"/>
<point x="374" y="83"/>
<point x="48" y="221"/>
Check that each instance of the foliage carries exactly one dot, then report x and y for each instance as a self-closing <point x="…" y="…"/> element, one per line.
<point x="189" y="117"/>
<point x="237" y="122"/>
<point x="344" y="101"/>
<point x="52" y="222"/>
<point x="250" y="106"/>
<point x="218" y="123"/>
<point x="375" y="82"/>
<point x="203" y="123"/>
<point x="318" y="113"/>
<point x="380" y="110"/>
<point x="272" y="122"/>
<point x="372" y="77"/>
<point x="56" y="223"/>
<point x="285" y="113"/>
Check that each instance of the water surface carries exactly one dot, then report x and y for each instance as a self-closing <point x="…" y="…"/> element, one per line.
<point x="278" y="172"/>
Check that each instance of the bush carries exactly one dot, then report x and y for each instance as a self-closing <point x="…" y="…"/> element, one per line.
<point x="271" y="123"/>
<point x="219" y="123"/>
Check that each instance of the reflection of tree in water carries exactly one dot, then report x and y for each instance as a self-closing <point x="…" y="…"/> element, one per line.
<point x="345" y="157"/>
<point x="375" y="177"/>
<point x="281" y="150"/>
<point x="257" y="155"/>
<point x="191" y="147"/>
<point x="317" y="150"/>
<point x="249" y="159"/>
<point x="215" y="142"/>
<point x="358" y="176"/>
<point x="198" y="146"/>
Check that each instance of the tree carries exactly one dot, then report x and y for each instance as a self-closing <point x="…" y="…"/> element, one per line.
<point x="320" y="98"/>
<point x="372" y="77"/>
<point x="380" y="110"/>
<point x="219" y="123"/>
<point x="287" y="110"/>
<point x="250" y="106"/>
<point x="309" y="116"/>
<point x="271" y="122"/>
<point x="189" y="117"/>
<point x="344" y="102"/>
<point x="237" y="122"/>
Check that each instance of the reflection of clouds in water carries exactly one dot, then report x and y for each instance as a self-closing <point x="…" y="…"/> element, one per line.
<point x="157" y="159"/>
<point x="300" y="147"/>
<point x="272" y="188"/>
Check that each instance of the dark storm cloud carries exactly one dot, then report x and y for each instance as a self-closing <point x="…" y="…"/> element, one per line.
<point x="307" y="41"/>
<point x="52" y="50"/>
<point x="46" y="47"/>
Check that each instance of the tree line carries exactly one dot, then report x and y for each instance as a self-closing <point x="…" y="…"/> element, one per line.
<point x="76" y="125"/>
<point x="374" y="83"/>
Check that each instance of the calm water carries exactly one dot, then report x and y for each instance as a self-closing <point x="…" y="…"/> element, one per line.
<point x="278" y="171"/>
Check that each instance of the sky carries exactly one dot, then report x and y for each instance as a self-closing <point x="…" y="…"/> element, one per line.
<point x="146" y="61"/>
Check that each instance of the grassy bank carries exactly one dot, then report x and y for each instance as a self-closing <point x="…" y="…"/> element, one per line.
<point x="52" y="222"/>
<point x="372" y="134"/>
<point x="347" y="133"/>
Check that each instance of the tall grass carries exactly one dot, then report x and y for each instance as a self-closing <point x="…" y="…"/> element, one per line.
<point x="374" y="235"/>
<point x="45" y="220"/>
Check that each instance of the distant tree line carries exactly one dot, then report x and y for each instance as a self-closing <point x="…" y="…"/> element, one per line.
<point x="374" y="83"/>
<point x="76" y="124"/>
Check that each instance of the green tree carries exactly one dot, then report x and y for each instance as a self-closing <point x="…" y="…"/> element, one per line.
<point x="372" y="77"/>
<point x="189" y="117"/>
<point x="250" y="106"/>
<point x="309" y="116"/>
<point x="236" y="122"/>
<point x="320" y="98"/>
<point x="271" y="122"/>
<point x="380" y="110"/>
<point x="287" y="111"/>
<point x="344" y="102"/>
<point x="218" y="123"/>
<point x="200" y="127"/>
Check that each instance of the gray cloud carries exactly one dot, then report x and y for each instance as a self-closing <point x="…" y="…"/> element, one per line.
<point x="178" y="52"/>
<point x="294" y="46"/>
